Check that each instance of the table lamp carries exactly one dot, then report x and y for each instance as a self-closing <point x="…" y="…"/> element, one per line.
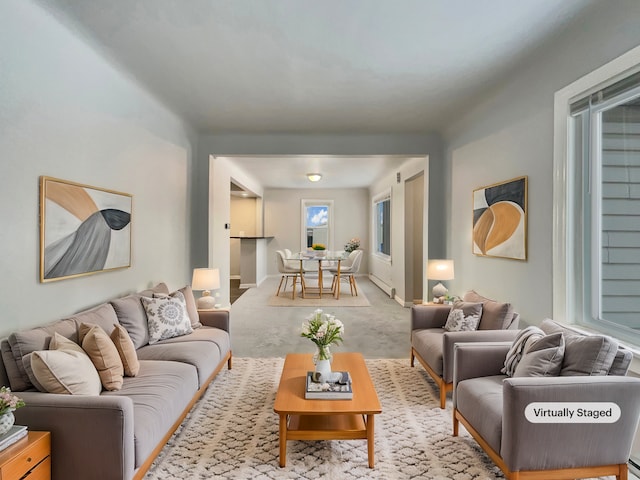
<point x="440" y="270"/>
<point x="206" y="279"/>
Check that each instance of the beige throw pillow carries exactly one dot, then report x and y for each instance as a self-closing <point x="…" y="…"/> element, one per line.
<point x="126" y="349"/>
<point x="65" y="368"/>
<point x="104" y="355"/>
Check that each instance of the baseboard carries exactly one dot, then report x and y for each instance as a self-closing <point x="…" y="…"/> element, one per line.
<point x="248" y="285"/>
<point x="388" y="289"/>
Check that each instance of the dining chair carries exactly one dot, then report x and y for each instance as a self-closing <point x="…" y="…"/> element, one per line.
<point x="348" y="269"/>
<point x="288" y="270"/>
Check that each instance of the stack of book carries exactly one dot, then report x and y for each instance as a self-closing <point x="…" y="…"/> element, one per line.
<point x="14" y="434"/>
<point x="338" y="389"/>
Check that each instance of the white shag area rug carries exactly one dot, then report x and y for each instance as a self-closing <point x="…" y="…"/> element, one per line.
<point x="232" y="433"/>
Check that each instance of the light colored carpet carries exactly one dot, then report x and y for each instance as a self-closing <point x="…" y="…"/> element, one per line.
<point x="232" y="433"/>
<point x="312" y="300"/>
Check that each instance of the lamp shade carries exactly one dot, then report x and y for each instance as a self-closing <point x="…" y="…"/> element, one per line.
<point x="440" y="270"/>
<point x="205" y="279"/>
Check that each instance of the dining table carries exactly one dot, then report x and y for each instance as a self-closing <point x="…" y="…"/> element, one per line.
<point x="322" y="257"/>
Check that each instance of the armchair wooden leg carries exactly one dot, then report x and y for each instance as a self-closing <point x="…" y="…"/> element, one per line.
<point x="280" y="285"/>
<point x="293" y="293"/>
<point x="443" y="397"/>
<point x="413" y="358"/>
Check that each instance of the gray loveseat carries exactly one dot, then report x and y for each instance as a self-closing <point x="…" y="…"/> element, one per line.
<point x="492" y="406"/>
<point x="432" y="345"/>
<point x="117" y="434"/>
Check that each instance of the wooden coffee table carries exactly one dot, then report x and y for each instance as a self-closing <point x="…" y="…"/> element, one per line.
<point x="302" y="419"/>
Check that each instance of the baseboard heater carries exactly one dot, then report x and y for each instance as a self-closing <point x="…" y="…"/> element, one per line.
<point x="388" y="289"/>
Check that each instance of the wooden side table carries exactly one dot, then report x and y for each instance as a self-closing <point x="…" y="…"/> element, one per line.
<point x="28" y="458"/>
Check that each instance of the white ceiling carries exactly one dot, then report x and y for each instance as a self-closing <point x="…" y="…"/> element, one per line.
<point x="317" y="66"/>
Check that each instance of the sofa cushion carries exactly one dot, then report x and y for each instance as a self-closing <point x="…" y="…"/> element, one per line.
<point x="463" y="316"/>
<point x="203" y="355"/>
<point x="66" y="369"/>
<point x="126" y="350"/>
<point x="495" y="315"/>
<point x="160" y="393"/>
<point x="167" y="316"/>
<point x="428" y="344"/>
<point x="103" y="315"/>
<point x="584" y="354"/>
<point x="132" y="316"/>
<point x="192" y="306"/>
<point x="205" y="334"/>
<point x="542" y="357"/>
<point x="26" y="341"/>
<point x="480" y="401"/>
<point x="104" y="355"/>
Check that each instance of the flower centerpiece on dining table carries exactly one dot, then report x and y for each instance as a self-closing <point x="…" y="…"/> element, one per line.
<point x="352" y="245"/>
<point x="324" y="330"/>
<point x="8" y="404"/>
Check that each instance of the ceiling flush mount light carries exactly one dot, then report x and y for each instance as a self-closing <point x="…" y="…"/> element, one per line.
<point x="314" y="177"/>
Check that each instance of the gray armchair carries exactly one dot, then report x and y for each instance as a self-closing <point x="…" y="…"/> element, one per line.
<point x="432" y="345"/>
<point x="491" y="406"/>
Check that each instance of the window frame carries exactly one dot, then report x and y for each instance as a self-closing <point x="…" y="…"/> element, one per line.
<point x="567" y="305"/>
<point x="303" y="223"/>
<point x="378" y="199"/>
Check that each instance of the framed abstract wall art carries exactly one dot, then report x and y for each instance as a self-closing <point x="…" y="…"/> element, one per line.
<point x="83" y="229"/>
<point x="500" y="220"/>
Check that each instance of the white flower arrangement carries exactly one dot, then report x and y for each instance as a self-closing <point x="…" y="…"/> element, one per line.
<point x="352" y="245"/>
<point x="324" y="330"/>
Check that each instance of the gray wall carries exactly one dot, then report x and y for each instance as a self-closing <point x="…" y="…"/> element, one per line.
<point x="66" y="113"/>
<point x="509" y="133"/>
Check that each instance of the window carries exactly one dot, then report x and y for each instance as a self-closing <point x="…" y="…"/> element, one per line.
<point x="382" y="224"/>
<point x="596" y="245"/>
<point x="606" y="149"/>
<point x="596" y="203"/>
<point x="317" y="223"/>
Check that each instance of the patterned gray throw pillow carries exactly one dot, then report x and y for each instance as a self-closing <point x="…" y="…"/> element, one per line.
<point x="167" y="316"/>
<point x="463" y="316"/>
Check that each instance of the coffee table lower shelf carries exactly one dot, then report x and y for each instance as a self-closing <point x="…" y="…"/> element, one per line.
<point x="326" y="427"/>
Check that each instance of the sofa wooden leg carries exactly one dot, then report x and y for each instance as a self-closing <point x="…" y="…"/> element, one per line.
<point x="413" y="358"/>
<point x="443" y="396"/>
<point x="456" y="425"/>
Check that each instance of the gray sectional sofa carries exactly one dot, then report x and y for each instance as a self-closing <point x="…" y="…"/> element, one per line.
<point x="564" y="371"/>
<point x="115" y="435"/>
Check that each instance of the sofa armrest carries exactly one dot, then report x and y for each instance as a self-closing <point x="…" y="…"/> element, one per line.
<point x="482" y="359"/>
<point x="429" y="316"/>
<point x="215" y="318"/>
<point x="91" y="436"/>
<point x="449" y="339"/>
<point x="536" y="446"/>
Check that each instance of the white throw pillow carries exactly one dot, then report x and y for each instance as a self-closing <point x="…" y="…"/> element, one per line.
<point x="167" y="317"/>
